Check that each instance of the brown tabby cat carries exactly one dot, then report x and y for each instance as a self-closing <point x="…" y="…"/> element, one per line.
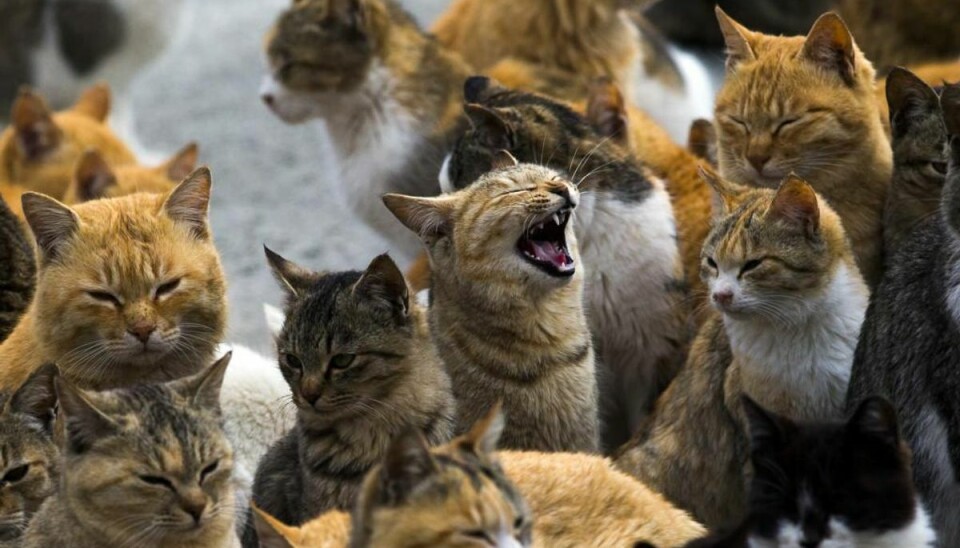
<point x="806" y="105"/>
<point x="39" y="150"/>
<point x="94" y="178"/>
<point x="507" y="309"/>
<point x="30" y="461"/>
<point x="790" y="301"/>
<point x="143" y="466"/>
<point x="18" y="270"/>
<point x="129" y="289"/>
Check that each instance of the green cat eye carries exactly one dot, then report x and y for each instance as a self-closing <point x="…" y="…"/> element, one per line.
<point x="16" y="474"/>
<point x="342" y="361"/>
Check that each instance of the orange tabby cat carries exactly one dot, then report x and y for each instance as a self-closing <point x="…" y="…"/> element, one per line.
<point x="39" y="150"/>
<point x="128" y="290"/>
<point x="94" y="178"/>
<point x="807" y="105"/>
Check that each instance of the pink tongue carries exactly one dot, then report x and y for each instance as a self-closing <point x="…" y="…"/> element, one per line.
<point x="550" y="252"/>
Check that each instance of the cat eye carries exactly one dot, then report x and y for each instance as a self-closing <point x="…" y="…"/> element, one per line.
<point x="711" y="263"/>
<point x="939" y="167"/>
<point x="105" y="297"/>
<point x="518" y="523"/>
<point x="211" y="468"/>
<point x="784" y="124"/>
<point x="342" y="361"/>
<point x="478" y="534"/>
<point x="292" y="361"/>
<point x="157" y="480"/>
<point x="166" y="288"/>
<point x="750" y="265"/>
<point x="16" y="474"/>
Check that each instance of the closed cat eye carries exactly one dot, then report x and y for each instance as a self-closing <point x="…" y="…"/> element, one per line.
<point x="292" y="361"/>
<point x="711" y="263"/>
<point x="784" y="124"/>
<point x="478" y="534"/>
<point x="518" y="523"/>
<point x="105" y="297"/>
<point x="750" y="265"/>
<point x="939" y="167"/>
<point x="211" y="468"/>
<point x="16" y="474"/>
<point x="157" y="480"/>
<point x="342" y="361"/>
<point x="166" y="288"/>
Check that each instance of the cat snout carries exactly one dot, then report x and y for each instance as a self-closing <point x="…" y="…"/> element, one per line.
<point x="267" y="98"/>
<point x="311" y="391"/>
<point x="194" y="504"/>
<point x="564" y="192"/>
<point x="723" y="297"/>
<point x="142" y="330"/>
<point x="758" y="160"/>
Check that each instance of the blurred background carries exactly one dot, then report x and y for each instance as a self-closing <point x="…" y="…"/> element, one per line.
<point x="189" y="70"/>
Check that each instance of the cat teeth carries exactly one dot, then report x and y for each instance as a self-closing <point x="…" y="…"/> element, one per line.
<point x="556" y="218"/>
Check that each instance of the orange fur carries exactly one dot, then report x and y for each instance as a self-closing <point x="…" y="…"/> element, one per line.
<point x="94" y="178"/>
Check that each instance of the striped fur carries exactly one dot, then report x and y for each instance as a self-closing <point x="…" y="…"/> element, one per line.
<point x="18" y="270"/>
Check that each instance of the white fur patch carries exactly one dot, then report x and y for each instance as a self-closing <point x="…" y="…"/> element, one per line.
<point x="917" y="534"/>
<point x="274" y="318"/>
<point x="446" y="183"/>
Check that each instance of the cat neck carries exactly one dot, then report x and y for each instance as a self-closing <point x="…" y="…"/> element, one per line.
<point x="803" y="367"/>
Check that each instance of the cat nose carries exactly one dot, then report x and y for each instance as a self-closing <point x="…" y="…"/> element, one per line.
<point x="142" y="330"/>
<point x="310" y="390"/>
<point x="564" y="192"/>
<point x="758" y="160"/>
<point x="723" y="298"/>
<point x="194" y="506"/>
<point x="267" y="98"/>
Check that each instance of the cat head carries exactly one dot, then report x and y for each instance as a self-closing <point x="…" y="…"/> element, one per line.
<point x="452" y="496"/>
<point x="324" y="46"/>
<point x="770" y="253"/>
<point x="836" y="484"/>
<point x="950" y="201"/>
<point x="803" y="105"/>
<point x="509" y="232"/>
<point x="534" y="129"/>
<point x="40" y="148"/>
<point x="350" y="340"/>
<point x="129" y="289"/>
<point x="94" y="178"/>
<point x="149" y="464"/>
<point x="29" y="461"/>
<point x="330" y="530"/>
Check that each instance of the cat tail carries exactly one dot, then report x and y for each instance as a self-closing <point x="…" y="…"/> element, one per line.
<point x="733" y="538"/>
<point x="18" y="270"/>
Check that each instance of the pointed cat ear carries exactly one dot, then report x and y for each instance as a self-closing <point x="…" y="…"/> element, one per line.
<point x="950" y="102"/>
<point x="408" y="462"/>
<point x="189" y="202"/>
<point x="477" y="89"/>
<point x="767" y="430"/>
<point x="32" y="120"/>
<point x="484" y="435"/>
<point x="203" y="389"/>
<point x="37" y="396"/>
<point x="493" y="130"/>
<point x="607" y="111"/>
<point x="430" y="218"/>
<point x="737" y="39"/>
<point x="294" y="279"/>
<point x="92" y="177"/>
<point x="383" y="280"/>
<point x="875" y="418"/>
<point x="909" y="98"/>
<point x="272" y="533"/>
<point x="830" y="45"/>
<point x="94" y="103"/>
<point x="53" y="224"/>
<point x="503" y="160"/>
<point x="796" y="202"/>
<point x="84" y="422"/>
<point x="702" y="140"/>
<point x="726" y="195"/>
<point x="181" y="164"/>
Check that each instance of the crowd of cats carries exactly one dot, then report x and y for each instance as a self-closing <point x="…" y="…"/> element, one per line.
<point x="603" y="338"/>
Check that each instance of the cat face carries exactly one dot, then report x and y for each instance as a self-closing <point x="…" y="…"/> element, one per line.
<point x="348" y="338"/>
<point x="511" y="229"/>
<point x="40" y="148"/>
<point x="769" y="251"/>
<point x="29" y="460"/>
<point x="799" y="105"/>
<point x="129" y="289"/>
<point x="94" y="178"/>
<point x="833" y="485"/>
<point x="453" y="496"/>
<point x="919" y="135"/>
<point x="150" y="463"/>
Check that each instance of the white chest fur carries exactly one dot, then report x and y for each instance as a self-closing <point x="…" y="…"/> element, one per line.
<point x="916" y="534"/>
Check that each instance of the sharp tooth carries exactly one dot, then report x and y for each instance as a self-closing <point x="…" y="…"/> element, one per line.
<point x="556" y="218"/>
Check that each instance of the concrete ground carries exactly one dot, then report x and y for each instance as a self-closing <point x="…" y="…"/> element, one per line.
<point x="271" y="181"/>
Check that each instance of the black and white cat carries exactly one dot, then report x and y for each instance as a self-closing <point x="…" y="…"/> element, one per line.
<point x="829" y="485"/>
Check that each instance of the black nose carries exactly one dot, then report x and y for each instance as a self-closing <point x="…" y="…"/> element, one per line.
<point x="267" y="99"/>
<point x="564" y="193"/>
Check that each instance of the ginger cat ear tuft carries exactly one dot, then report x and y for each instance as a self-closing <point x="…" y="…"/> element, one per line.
<point x="32" y="120"/>
<point x="53" y="224"/>
<point x="830" y="45"/>
<point x="484" y="435"/>
<point x="94" y="102"/>
<point x="796" y="202"/>
<point x="607" y="111"/>
<point x="727" y="195"/>
<point x="182" y="163"/>
<point x="272" y="533"/>
<point x="92" y="177"/>
<point x="429" y="218"/>
<point x="189" y="202"/>
<point x="737" y="39"/>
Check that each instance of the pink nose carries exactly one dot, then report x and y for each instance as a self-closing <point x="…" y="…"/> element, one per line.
<point x="723" y="298"/>
<point x="142" y="330"/>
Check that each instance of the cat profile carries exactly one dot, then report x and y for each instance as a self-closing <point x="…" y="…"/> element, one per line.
<point x="356" y="353"/>
<point x="390" y="96"/>
<point x="94" y="178"/>
<point x="128" y="289"/>
<point x="39" y="150"/>
<point x="908" y="347"/>
<point x="143" y="465"/>
<point x="17" y="270"/>
<point x="843" y="484"/>
<point x="807" y="105"/>
<point x="789" y="304"/>
<point x="633" y="282"/>
<point x="506" y="311"/>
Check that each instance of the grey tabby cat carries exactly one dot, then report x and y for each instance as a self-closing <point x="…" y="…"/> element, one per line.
<point x="142" y="466"/>
<point x="18" y="270"/>
<point x="29" y="461"/>
<point x="357" y="355"/>
<point x="920" y="154"/>
<point x="909" y="350"/>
